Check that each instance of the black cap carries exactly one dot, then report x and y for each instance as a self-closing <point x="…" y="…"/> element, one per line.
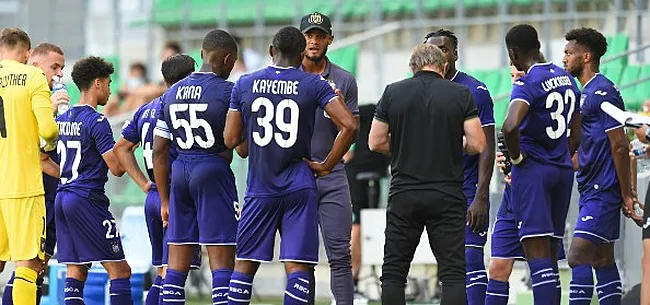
<point x="316" y="20"/>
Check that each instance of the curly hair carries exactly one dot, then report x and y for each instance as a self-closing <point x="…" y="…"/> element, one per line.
<point x="177" y="67"/>
<point x="444" y="33"/>
<point x="589" y="38"/>
<point x="88" y="69"/>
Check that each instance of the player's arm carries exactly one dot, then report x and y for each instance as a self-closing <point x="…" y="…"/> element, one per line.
<point x="161" y="143"/>
<point x="124" y="151"/>
<point x="486" y="160"/>
<point x="519" y="104"/>
<point x="42" y="109"/>
<point x="242" y="149"/>
<point x="234" y="130"/>
<point x="103" y="135"/>
<point x="620" y="149"/>
<point x="113" y="163"/>
<point x="575" y="135"/>
<point x="379" y="136"/>
<point x="50" y="167"/>
<point x="348" y="126"/>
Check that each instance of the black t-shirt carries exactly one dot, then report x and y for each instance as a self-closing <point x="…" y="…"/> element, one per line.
<point x="425" y="115"/>
<point x="365" y="160"/>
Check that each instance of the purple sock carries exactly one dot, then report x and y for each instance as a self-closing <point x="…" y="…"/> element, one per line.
<point x="220" y="282"/>
<point x="558" y="284"/>
<point x="120" y="291"/>
<point x="154" y="292"/>
<point x="6" y="295"/>
<point x="581" y="288"/>
<point x="609" y="287"/>
<point x="497" y="293"/>
<point x="160" y="293"/>
<point x="544" y="280"/>
<point x="241" y="289"/>
<point x="174" y="287"/>
<point x="297" y="292"/>
<point x="476" y="280"/>
<point x="74" y="292"/>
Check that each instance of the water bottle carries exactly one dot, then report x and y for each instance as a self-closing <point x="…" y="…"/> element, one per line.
<point x="501" y="145"/>
<point x="58" y="86"/>
<point x="643" y="163"/>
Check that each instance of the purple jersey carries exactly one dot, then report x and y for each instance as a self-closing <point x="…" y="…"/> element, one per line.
<point x="278" y="107"/>
<point x="551" y="94"/>
<point x="597" y="174"/>
<point x="84" y="136"/>
<point x="193" y="113"/>
<point x="486" y="115"/>
<point x="141" y="130"/>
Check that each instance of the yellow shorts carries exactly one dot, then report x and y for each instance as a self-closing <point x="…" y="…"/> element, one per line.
<point x="22" y="228"/>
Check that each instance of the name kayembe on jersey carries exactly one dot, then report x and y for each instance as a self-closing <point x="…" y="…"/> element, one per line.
<point x="274" y="86"/>
<point x="188" y="93"/>
<point x="70" y="128"/>
<point x="13" y="80"/>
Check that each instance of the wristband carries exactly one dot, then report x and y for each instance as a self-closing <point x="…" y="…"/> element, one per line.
<point x="518" y="160"/>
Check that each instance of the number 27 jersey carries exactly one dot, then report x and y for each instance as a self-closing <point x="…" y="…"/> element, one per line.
<point x="552" y="96"/>
<point x="278" y="107"/>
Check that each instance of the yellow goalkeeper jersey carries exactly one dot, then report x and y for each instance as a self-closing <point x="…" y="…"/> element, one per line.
<point x="25" y="112"/>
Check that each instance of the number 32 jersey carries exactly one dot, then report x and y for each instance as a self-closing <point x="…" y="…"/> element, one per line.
<point x="278" y="106"/>
<point x="84" y="136"/>
<point x="552" y="96"/>
<point x="194" y="114"/>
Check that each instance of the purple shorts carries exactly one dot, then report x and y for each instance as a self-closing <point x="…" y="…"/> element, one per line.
<point x="86" y="229"/>
<point x="599" y="220"/>
<point x="203" y="202"/>
<point x="294" y="215"/>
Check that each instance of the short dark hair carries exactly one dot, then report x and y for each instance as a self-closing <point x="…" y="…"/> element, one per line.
<point x="139" y="66"/>
<point x="88" y="69"/>
<point x="14" y="37"/>
<point x="289" y="41"/>
<point x="177" y="67"/>
<point x="45" y="48"/>
<point x="444" y="33"/>
<point x="219" y="39"/>
<point x="523" y="38"/>
<point x="174" y="46"/>
<point x="589" y="38"/>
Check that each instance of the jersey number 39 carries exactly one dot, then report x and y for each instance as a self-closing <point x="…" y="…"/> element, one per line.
<point x="276" y="116"/>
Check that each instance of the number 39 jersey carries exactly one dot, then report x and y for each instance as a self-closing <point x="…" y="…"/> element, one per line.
<point x="84" y="136"/>
<point x="278" y="106"/>
<point x="552" y="96"/>
<point x="194" y="114"/>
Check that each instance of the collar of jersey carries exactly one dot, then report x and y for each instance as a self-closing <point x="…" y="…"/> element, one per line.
<point x="538" y="64"/>
<point x="589" y="81"/>
<point x="281" y="68"/>
<point x="85" y="105"/>
<point x="455" y="74"/>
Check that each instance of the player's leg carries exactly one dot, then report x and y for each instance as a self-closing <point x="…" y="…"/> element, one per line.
<point x="24" y="220"/>
<point x="182" y="234"/>
<point x="256" y="230"/>
<point x="119" y="274"/>
<point x="359" y="198"/>
<point x="335" y="218"/>
<point x="560" y="201"/>
<point x="609" y="287"/>
<point x="4" y="256"/>
<point x="67" y="254"/>
<point x="505" y="249"/>
<point x="476" y="275"/>
<point x="498" y="289"/>
<point x="402" y="238"/>
<point x="299" y="243"/>
<point x="445" y="225"/>
<point x="212" y="186"/>
<point x="532" y="206"/>
<point x="156" y="233"/>
<point x="74" y="284"/>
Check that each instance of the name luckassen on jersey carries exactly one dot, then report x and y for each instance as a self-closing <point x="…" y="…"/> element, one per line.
<point x="70" y="128"/>
<point x="188" y="93"/>
<point x="274" y="86"/>
<point x="556" y="82"/>
<point x="13" y="80"/>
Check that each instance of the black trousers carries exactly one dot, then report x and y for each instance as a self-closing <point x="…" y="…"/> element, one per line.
<point x="444" y="218"/>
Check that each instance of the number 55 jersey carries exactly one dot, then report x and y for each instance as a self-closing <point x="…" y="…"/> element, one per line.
<point x="193" y="116"/>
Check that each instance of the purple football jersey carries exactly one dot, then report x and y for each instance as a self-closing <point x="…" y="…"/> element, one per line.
<point x="552" y="96"/>
<point x="597" y="174"/>
<point x="194" y="112"/>
<point x="278" y="107"/>
<point x="486" y="115"/>
<point x="84" y="136"/>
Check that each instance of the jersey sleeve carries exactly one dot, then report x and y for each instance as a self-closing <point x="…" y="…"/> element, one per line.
<point x="352" y="97"/>
<point x="470" y="107"/>
<point x="383" y="106"/>
<point x="484" y="105"/>
<point x="613" y="97"/>
<point x="324" y="92"/>
<point x="162" y="128"/>
<point x="41" y="106"/>
<point x="102" y="135"/>
<point x="130" y="131"/>
<point x="235" y="97"/>
<point x="520" y="93"/>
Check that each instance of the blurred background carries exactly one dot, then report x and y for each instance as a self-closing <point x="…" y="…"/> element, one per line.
<point x="373" y="40"/>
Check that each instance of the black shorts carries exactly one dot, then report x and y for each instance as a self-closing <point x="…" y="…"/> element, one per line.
<point x="360" y="196"/>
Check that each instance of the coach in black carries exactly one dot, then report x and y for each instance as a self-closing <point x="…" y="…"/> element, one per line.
<point x="425" y="123"/>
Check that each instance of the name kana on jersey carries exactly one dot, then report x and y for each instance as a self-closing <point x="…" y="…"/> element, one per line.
<point x="274" y="86"/>
<point x="188" y="93"/>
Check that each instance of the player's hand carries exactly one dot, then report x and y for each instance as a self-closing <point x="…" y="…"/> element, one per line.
<point x="58" y="98"/>
<point x="317" y="167"/>
<point x="476" y="214"/>
<point x="164" y="214"/>
<point x="640" y="133"/>
<point x="339" y="93"/>
<point x="629" y="211"/>
<point x="146" y="187"/>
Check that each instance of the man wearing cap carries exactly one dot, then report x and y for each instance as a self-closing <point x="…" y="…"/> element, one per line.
<point x="335" y="208"/>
